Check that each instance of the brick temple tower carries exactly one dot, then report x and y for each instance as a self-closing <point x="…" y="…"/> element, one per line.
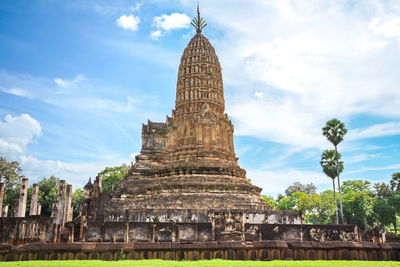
<point x="188" y="162"/>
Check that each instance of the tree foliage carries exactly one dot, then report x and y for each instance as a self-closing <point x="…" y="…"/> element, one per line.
<point x="334" y="131"/>
<point x="299" y="187"/>
<point x="269" y="201"/>
<point x="358" y="202"/>
<point x="317" y="208"/>
<point x="77" y="199"/>
<point x="395" y="182"/>
<point x="110" y="176"/>
<point x="329" y="161"/>
<point x="48" y="193"/>
<point x="11" y="176"/>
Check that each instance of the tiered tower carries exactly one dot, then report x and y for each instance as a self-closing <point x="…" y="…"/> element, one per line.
<point x="189" y="162"/>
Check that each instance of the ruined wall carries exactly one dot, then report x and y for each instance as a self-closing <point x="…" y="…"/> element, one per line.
<point x="257" y="250"/>
<point x="28" y="229"/>
<point x="210" y="231"/>
<point x="35" y="228"/>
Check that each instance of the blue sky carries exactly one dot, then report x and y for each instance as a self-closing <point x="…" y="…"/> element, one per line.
<point x="77" y="79"/>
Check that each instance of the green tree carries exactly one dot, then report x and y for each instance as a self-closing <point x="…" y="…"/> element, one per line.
<point x="358" y="200"/>
<point x="384" y="213"/>
<point x="77" y="199"/>
<point x="299" y="187"/>
<point x="269" y="201"/>
<point x="394" y="201"/>
<point x="331" y="166"/>
<point x="334" y="131"/>
<point x="327" y="209"/>
<point x="308" y="204"/>
<point x="382" y="190"/>
<point x="395" y="181"/>
<point x="385" y="207"/>
<point x="110" y="176"/>
<point x="48" y="193"/>
<point x="287" y="203"/>
<point x="11" y="176"/>
<point x="317" y="209"/>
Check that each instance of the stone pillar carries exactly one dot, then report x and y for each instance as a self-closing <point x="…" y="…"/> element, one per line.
<point x="1" y="198"/>
<point x="71" y="234"/>
<point x="23" y="194"/>
<point x="4" y="211"/>
<point x="34" y="200"/>
<point x="39" y="209"/>
<point x="68" y="204"/>
<point x="60" y="205"/>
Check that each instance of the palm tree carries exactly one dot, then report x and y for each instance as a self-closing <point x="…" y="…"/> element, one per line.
<point x="334" y="131"/>
<point x="330" y="165"/>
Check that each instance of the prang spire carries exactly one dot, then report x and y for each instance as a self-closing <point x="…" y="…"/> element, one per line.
<point x="198" y="23"/>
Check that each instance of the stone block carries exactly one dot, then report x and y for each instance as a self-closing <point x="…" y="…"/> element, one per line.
<point x="287" y="254"/>
<point x="11" y="257"/>
<point x="311" y="254"/>
<point x="81" y="256"/>
<point x="211" y="244"/>
<point x="94" y="256"/>
<point x="133" y="255"/>
<point x="252" y="254"/>
<point x="230" y="254"/>
<point x="265" y="254"/>
<point x="24" y="257"/>
<point x="219" y="254"/>
<point x="299" y="254"/>
<point x="107" y="256"/>
<point x="207" y="255"/>
<point x="70" y="256"/>
<point x="276" y="254"/>
<point x="372" y="255"/>
<point x="353" y="254"/>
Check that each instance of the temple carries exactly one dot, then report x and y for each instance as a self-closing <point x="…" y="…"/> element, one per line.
<point x="184" y="197"/>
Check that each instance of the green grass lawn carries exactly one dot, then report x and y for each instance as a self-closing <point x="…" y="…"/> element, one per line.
<point x="203" y="263"/>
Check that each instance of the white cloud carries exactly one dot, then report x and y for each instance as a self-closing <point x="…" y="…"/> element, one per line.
<point x="166" y="22"/>
<point x="17" y="92"/>
<point x="373" y="45"/>
<point x="129" y="22"/>
<point x="70" y="93"/>
<point x="390" y="28"/>
<point x="362" y="157"/>
<point x="278" y="121"/>
<point x="377" y="130"/>
<point x="259" y="94"/>
<point x="137" y="6"/>
<point x="17" y="132"/>
<point x="275" y="182"/>
<point x="155" y="34"/>
<point x="68" y="83"/>
<point x="376" y="168"/>
<point x="170" y="22"/>
<point x="108" y="105"/>
<point x="75" y="173"/>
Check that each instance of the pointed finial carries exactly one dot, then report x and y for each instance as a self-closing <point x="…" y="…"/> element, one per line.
<point x="198" y="22"/>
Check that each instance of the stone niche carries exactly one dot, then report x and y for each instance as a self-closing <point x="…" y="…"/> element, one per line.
<point x="140" y="232"/>
<point x="114" y="232"/>
<point x="187" y="232"/>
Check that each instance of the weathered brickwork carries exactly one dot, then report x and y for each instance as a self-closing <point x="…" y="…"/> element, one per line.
<point x="256" y="250"/>
<point x="189" y="162"/>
